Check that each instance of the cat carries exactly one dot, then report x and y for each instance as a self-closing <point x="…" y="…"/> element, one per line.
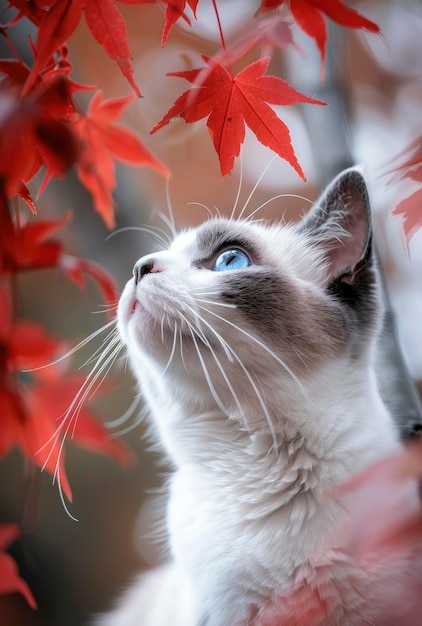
<point x="253" y="345"/>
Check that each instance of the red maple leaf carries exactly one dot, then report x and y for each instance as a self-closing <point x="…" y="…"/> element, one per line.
<point x="37" y="418"/>
<point x="35" y="127"/>
<point x="107" y="26"/>
<point x="100" y="139"/>
<point x="309" y="16"/>
<point x="10" y="581"/>
<point x="231" y="101"/>
<point x="174" y="10"/>
<point x="51" y="421"/>
<point x="409" y="209"/>
<point x="55" y="28"/>
<point x="268" y="34"/>
<point x="58" y="20"/>
<point x="30" y="346"/>
<point x="30" y="247"/>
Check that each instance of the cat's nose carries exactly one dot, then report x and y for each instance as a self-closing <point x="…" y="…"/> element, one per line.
<point x="144" y="266"/>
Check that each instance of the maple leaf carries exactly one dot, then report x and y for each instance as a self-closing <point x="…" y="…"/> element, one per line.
<point x="77" y="269"/>
<point x="231" y="101"/>
<point x="34" y="10"/>
<point x="30" y="346"/>
<point x="409" y="209"/>
<point x="50" y="422"/>
<point x="100" y="139"/>
<point x="309" y="16"/>
<point x="29" y="247"/>
<point x="58" y="20"/>
<point x="107" y="26"/>
<point x="35" y="128"/>
<point x="274" y="32"/>
<point x="174" y="10"/>
<point x="37" y="418"/>
<point x="12" y="353"/>
<point x="57" y="25"/>
<point x="10" y="581"/>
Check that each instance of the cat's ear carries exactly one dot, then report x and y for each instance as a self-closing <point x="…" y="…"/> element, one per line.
<point x="340" y="223"/>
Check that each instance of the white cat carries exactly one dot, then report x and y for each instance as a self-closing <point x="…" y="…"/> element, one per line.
<point x="253" y="345"/>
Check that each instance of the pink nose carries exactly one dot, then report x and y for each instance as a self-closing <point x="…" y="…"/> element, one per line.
<point x="144" y="266"/>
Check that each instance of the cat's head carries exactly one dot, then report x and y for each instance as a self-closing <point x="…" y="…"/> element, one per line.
<point x="234" y="311"/>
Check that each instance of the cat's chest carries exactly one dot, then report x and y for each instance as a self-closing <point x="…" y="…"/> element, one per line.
<point x="232" y="559"/>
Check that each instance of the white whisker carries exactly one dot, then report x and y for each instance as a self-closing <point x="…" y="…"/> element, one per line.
<point x="249" y="377"/>
<point x="255" y="187"/>
<point x="182" y="358"/>
<point x="263" y="346"/>
<point x="220" y="367"/>
<point x="169" y="221"/>
<point x="172" y="350"/>
<point x="112" y="336"/>
<point x="203" y="206"/>
<point x="124" y="431"/>
<point x="62" y="498"/>
<point x="119" y="421"/>
<point x="277" y="197"/>
<point x="72" y="412"/>
<point x="162" y="328"/>
<point x="239" y="189"/>
<point x="154" y="231"/>
<point x="80" y="345"/>
<point x="193" y="332"/>
<point x="222" y="304"/>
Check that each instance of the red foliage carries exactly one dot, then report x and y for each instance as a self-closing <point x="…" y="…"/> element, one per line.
<point x="383" y="537"/>
<point x="409" y="209"/>
<point x="99" y="139"/>
<point x="29" y="247"/>
<point x="174" y="10"/>
<point x="30" y="420"/>
<point x="274" y="32"/>
<point x="108" y="28"/>
<point x="10" y="581"/>
<point x="35" y="126"/>
<point x="55" y="28"/>
<point x="309" y="16"/>
<point x="42" y="125"/>
<point x="57" y="20"/>
<point x="51" y="419"/>
<point x="229" y="101"/>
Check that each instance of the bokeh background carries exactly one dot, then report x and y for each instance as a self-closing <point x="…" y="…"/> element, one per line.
<point x="374" y="90"/>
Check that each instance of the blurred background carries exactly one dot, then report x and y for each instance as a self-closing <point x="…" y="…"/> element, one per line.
<point x="373" y="86"/>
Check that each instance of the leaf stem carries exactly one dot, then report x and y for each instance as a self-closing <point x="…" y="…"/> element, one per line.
<point x="220" y="29"/>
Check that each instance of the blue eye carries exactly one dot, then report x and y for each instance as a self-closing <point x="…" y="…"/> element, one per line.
<point x="231" y="260"/>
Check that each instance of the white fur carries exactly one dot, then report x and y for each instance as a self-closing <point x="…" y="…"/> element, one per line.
<point x="249" y="512"/>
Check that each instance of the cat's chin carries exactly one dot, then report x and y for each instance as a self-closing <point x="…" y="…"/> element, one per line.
<point x="141" y="312"/>
<point x="134" y="310"/>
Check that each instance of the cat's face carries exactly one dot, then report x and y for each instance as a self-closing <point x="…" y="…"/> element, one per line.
<point x="233" y="307"/>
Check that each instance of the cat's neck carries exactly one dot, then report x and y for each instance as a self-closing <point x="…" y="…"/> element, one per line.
<point x="331" y="428"/>
<point x="235" y="492"/>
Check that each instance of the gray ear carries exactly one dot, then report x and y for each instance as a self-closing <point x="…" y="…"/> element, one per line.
<point x="340" y="223"/>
